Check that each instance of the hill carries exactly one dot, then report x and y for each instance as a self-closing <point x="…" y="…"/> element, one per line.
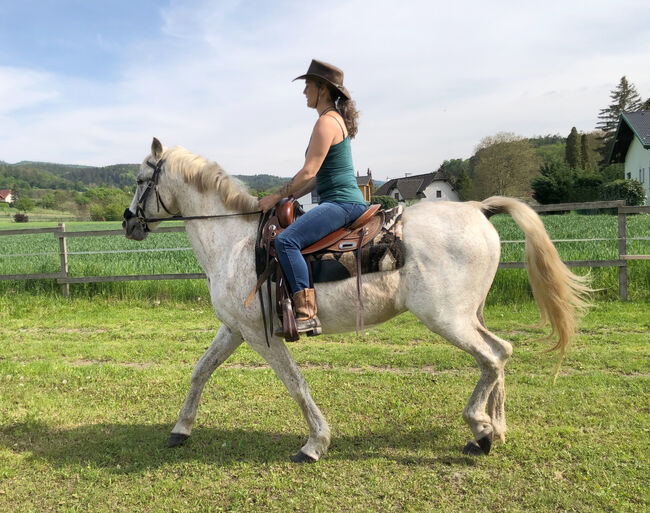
<point x="45" y="175"/>
<point x="28" y="175"/>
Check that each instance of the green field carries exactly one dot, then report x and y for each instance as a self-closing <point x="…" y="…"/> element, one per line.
<point x="91" y="387"/>
<point x="170" y="253"/>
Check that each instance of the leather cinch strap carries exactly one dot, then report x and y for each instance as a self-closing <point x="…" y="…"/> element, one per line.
<point x="359" y="291"/>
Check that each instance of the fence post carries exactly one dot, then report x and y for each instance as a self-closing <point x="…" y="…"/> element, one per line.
<point x="63" y="253"/>
<point x="622" y="250"/>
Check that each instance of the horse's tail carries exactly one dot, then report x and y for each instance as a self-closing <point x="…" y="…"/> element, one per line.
<point x="559" y="293"/>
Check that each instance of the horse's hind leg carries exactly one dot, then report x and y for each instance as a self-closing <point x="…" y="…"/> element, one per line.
<point x="496" y="401"/>
<point x="491" y="354"/>
<point x="223" y="345"/>
<point x="496" y="408"/>
<point x="285" y="367"/>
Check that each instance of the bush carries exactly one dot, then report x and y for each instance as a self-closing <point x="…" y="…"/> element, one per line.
<point x="586" y="187"/>
<point x="21" y="218"/>
<point x="48" y="201"/>
<point x="629" y="190"/>
<point x="24" y="203"/>
<point x="554" y="184"/>
<point x="386" y="202"/>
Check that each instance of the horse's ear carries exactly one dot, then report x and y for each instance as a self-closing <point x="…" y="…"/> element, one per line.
<point x="156" y="149"/>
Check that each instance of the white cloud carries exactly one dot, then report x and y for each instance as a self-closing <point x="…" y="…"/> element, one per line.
<point x="23" y="89"/>
<point x="430" y="78"/>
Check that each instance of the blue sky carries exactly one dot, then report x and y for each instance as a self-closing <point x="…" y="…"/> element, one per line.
<point x="91" y="82"/>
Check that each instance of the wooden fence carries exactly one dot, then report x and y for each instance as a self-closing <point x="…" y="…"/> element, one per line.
<point x="64" y="279"/>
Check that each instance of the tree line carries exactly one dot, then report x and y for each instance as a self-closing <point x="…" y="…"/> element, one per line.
<point x="552" y="168"/>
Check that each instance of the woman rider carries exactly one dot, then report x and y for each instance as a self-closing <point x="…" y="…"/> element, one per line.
<point x="328" y="167"/>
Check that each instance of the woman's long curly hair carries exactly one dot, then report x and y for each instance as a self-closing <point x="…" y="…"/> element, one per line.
<point x="347" y="109"/>
<point x="349" y="113"/>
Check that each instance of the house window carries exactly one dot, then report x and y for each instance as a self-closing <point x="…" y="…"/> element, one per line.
<point x="642" y="175"/>
<point x="629" y="175"/>
<point x="438" y="194"/>
<point x="397" y="196"/>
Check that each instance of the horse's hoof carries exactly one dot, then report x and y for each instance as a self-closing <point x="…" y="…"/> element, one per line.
<point x="176" y="439"/>
<point x="485" y="444"/>
<point x="479" y="448"/>
<point x="472" y="449"/>
<point x="301" y="457"/>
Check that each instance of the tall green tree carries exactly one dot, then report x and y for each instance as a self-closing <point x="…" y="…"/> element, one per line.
<point x="573" y="152"/>
<point x="504" y="165"/>
<point x="625" y="98"/>
<point x="453" y="168"/>
<point x="587" y="160"/>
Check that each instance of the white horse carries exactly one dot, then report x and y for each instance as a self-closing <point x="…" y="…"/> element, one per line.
<point x="452" y="254"/>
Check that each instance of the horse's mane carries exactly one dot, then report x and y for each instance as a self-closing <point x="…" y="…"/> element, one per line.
<point x="204" y="175"/>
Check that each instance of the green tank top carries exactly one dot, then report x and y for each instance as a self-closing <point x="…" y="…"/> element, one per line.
<point x="335" y="179"/>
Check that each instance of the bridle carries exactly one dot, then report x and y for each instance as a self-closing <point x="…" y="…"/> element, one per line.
<point x="152" y="185"/>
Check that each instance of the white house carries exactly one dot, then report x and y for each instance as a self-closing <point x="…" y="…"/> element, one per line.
<point x="632" y="147"/>
<point x="6" y="196"/>
<point x="430" y="186"/>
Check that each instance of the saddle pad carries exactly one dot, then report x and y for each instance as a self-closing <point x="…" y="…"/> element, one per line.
<point x="384" y="253"/>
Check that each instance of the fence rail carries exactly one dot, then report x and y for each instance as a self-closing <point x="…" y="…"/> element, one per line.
<point x="64" y="279"/>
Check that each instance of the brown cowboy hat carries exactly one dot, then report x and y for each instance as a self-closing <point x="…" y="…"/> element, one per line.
<point x="330" y="74"/>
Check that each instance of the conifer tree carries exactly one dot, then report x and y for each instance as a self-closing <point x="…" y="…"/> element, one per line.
<point x="587" y="161"/>
<point x="572" y="153"/>
<point x="625" y="98"/>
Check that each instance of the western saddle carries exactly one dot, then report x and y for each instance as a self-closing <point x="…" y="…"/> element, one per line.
<point x="348" y="238"/>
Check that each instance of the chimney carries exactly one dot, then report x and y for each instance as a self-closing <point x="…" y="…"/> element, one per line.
<point x="369" y="172"/>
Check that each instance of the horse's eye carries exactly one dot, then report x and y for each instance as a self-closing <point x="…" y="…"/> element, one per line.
<point x="139" y="181"/>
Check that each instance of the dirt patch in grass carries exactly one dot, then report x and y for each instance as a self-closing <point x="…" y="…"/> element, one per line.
<point x="132" y="365"/>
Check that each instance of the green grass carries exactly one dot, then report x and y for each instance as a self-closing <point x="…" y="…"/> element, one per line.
<point x="90" y="388"/>
<point x="170" y="253"/>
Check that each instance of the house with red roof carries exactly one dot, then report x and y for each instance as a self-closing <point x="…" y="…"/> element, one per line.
<point x="6" y="196"/>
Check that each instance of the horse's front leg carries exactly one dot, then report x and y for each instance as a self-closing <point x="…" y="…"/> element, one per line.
<point x="223" y="345"/>
<point x="285" y="367"/>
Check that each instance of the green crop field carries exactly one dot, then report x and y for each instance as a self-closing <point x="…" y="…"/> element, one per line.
<point x="170" y="253"/>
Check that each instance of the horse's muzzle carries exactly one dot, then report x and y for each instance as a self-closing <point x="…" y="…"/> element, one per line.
<point x="133" y="228"/>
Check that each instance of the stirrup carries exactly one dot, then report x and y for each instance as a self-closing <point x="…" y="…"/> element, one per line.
<point x="310" y="330"/>
<point x="310" y="327"/>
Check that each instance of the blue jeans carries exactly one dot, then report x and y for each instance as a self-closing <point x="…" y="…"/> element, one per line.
<point x="307" y="229"/>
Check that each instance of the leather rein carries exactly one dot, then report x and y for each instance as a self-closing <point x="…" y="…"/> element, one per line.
<point x="152" y="185"/>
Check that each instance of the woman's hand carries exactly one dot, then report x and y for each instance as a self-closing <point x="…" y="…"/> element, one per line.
<point x="268" y="202"/>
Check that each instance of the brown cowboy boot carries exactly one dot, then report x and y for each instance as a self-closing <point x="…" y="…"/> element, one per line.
<point x="304" y="302"/>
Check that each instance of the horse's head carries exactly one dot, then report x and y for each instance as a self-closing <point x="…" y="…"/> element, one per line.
<point x="144" y="214"/>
